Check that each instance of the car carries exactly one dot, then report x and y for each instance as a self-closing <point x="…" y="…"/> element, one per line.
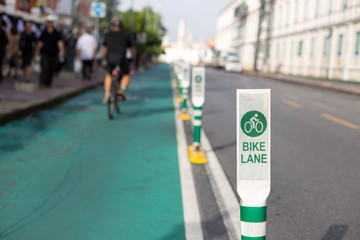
<point x="233" y="64"/>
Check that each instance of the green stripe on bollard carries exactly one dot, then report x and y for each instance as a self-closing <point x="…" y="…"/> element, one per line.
<point x="197" y="133"/>
<point x="253" y="214"/>
<point x="184" y="106"/>
<point x="197" y="117"/>
<point x="197" y="108"/>
<point x="253" y="238"/>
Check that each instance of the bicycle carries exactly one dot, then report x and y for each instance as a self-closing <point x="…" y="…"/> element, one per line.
<point x="114" y="99"/>
<point x="253" y="123"/>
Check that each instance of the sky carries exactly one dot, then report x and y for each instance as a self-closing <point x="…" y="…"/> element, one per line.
<point x="199" y="15"/>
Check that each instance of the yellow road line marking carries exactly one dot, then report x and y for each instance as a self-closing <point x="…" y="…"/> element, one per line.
<point x="319" y="104"/>
<point x="340" y="121"/>
<point x="292" y="96"/>
<point x="291" y="103"/>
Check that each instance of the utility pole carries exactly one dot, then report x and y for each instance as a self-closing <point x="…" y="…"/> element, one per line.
<point x="114" y="4"/>
<point x="132" y="16"/>
<point x="258" y="41"/>
<point x="270" y="19"/>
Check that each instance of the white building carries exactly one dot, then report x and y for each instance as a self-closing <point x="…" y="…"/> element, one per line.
<point x="185" y="49"/>
<point x="317" y="38"/>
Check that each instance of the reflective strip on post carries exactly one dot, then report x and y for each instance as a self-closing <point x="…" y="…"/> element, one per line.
<point x="185" y="95"/>
<point x="197" y="124"/>
<point x="253" y="223"/>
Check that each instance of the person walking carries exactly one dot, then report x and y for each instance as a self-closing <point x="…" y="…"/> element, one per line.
<point x="13" y="50"/>
<point x="51" y="47"/>
<point x="3" y="42"/>
<point x="86" y="48"/>
<point x="26" y="46"/>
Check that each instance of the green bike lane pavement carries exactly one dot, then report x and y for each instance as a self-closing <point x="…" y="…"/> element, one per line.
<point x="70" y="173"/>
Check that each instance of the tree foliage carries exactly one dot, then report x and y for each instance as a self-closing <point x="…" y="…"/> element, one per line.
<point x="140" y="23"/>
<point x="145" y="23"/>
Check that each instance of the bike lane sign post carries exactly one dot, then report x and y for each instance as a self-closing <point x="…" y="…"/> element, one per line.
<point x="253" y="159"/>
<point x="185" y="84"/>
<point x="178" y="84"/>
<point x="97" y="10"/>
<point x="195" y="152"/>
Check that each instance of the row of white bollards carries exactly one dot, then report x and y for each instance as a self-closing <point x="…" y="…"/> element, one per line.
<point x="253" y="144"/>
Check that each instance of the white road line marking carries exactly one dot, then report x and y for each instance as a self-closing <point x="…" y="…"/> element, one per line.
<point x="192" y="219"/>
<point x="224" y="195"/>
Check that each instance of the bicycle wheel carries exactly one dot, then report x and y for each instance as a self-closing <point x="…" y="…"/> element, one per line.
<point x="111" y="107"/>
<point x="117" y="103"/>
<point x="248" y="127"/>
<point x="111" y="104"/>
<point x="261" y="127"/>
<point x="117" y="99"/>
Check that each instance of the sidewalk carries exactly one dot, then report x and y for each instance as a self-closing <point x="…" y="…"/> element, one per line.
<point x="15" y="103"/>
<point x="341" y="86"/>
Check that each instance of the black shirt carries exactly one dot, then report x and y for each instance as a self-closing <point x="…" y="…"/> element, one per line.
<point x="50" y="43"/>
<point x="27" y="42"/>
<point x="3" y="39"/>
<point x="117" y="42"/>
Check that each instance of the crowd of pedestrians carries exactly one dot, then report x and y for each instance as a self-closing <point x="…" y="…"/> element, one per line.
<point x="41" y="47"/>
<point x="45" y="48"/>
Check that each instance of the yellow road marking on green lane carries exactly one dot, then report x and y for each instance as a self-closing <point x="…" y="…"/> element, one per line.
<point x="319" y="104"/>
<point x="291" y="103"/>
<point x="340" y="121"/>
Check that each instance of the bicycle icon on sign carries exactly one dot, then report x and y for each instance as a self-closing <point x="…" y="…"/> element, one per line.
<point x="253" y="123"/>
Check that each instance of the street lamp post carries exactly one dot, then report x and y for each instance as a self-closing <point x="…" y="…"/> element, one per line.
<point x="132" y="16"/>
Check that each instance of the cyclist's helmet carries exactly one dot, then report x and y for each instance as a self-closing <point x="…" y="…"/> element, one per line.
<point x="116" y="22"/>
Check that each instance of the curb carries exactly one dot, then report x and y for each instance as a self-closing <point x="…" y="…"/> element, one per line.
<point x="324" y="84"/>
<point x="38" y="105"/>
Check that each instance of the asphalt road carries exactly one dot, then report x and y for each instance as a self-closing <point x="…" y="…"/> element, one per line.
<point x="315" y="154"/>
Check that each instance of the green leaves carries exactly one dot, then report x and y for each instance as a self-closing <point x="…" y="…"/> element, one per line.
<point x="145" y="23"/>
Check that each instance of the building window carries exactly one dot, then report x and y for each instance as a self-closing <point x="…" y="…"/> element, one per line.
<point x="306" y="9"/>
<point x="357" y="44"/>
<point x="326" y="46"/>
<point x="296" y="11"/>
<point x="280" y="16"/>
<point x="330" y="6"/>
<point x="288" y="14"/>
<point x="340" y="45"/>
<point x="300" y="45"/>
<point x="312" y="47"/>
<point x="317" y="8"/>
<point x="345" y="4"/>
<point x="268" y="50"/>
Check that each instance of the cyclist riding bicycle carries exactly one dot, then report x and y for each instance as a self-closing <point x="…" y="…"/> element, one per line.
<point x="115" y="44"/>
